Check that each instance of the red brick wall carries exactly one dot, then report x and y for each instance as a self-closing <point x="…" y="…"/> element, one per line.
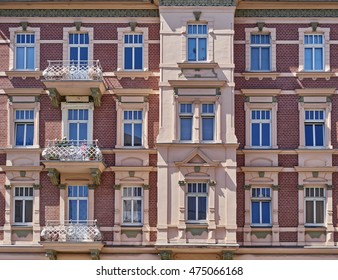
<point x="288" y="160"/>
<point x="288" y="237"/>
<point x="153" y="199"/>
<point x="3" y="159"/>
<point x="240" y="160"/>
<point x="3" y="122"/>
<point x="334" y="123"/>
<point x="49" y="200"/>
<point x="288" y="122"/>
<point x="240" y="236"/>
<point x="153" y="160"/>
<point x="105" y="200"/>
<point x="107" y="54"/>
<point x="2" y="198"/>
<point x="335" y="199"/>
<point x="283" y="83"/>
<point x="240" y="199"/>
<point x="240" y="120"/>
<point x="239" y="58"/>
<point x="52" y="31"/>
<point x="152" y="83"/>
<point x="288" y="199"/>
<point x="108" y="159"/>
<point x="154" y="57"/>
<point x="4" y="61"/>
<point x="333" y="56"/>
<point x="153" y="119"/>
<point x="50" y="52"/>
<point x="153" y="236"/>
<point x="1" y="235"/>
<point x="287" y="58"/>
<point x="336" y="236"/>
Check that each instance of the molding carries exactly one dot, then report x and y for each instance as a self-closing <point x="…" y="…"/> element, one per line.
<point x="23" y="91"/>
<point x="260" y="168"/>
<point x="133" y="74"/>
<point x="197" y="3"/>
<point x="315" y="91"/>
<point x="96" y="94"/>
<point x="54" y="176"/>
<point x="196" y="65"/>
<point x="96" y="175"/>
<point x="316" y="169"/>
<point x="23" y="74"/>
<point x="36" y="186"/>
<point x="166" y="255"/>
<point x="55" y="97"/>
<point x="294" y="12"/>
<point x="117" y="187"/>
<point x="261" y="92"/>
<point x="247" y="187"/>
<point x="8" y="187"/>
<point x="132" y="91"/>
<point x="260" y="75"/>
<point x="133" y="168"/>
<point x="197" y="83"/>
<point x="314" y="75"/>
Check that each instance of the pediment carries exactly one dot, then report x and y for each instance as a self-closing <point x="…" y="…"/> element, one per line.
<point x="197" y="158"/>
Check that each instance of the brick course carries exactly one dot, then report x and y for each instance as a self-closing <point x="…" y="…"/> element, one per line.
<point x="153" y="199"/>
<point x="4" y="120"/>
<point x="287" y="160"/>
<point x="240" y="199"/>
<point x="2" y="198"/>
<point x="288" y="236"/>
<point x="153" y="119"/>
<point x="240" y="120"/>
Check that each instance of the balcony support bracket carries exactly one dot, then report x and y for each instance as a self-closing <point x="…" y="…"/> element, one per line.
<point x="96" y="174"/>
<point x="51" y="254"/>
<point x="54" y="176"/>
<point x="55" y="97"/>
<point x="95" y="254"/>
<point x="96" y="94"/>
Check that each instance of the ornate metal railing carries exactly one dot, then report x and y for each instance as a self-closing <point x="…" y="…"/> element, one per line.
<point x="68" y="231"/>
<point x="72" y="150"/>
<point x="73" y="70"/>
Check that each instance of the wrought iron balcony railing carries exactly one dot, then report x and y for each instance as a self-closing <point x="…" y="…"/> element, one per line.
<point x="82" y="231"/>
<point x="72" y="150"/>
<point x="73" y="70"/>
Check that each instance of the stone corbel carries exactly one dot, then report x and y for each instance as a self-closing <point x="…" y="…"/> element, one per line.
<point x="96" y="175"/>
<point x="96" y="94"/>
<point x="36" y="186"/>
<point x="329" y="187"/>
<point x="314" y="26"/>
<point x="95" y="254"/>
<point x="182" y="183"/>
<point x="54" y="176"/>
<point x="77" y="25"/>
<point x="247" y="187"/>
<point x="91" y="186"/>
<point x="166" y="255"/>
<point x="146" y="187"/>
<point x="197" y="15"/>
<point x="227" y="255"/>
<point x="300" y="187"/>
<point x="260" y="26"/>
<point x="8" y="187"/>
<point x="132" y="25"/>
<point x="55" y="97"/>
<point x="51" y="254"/>
<point x="212" y="183"/>
<point x="275" y="187"/>
<point x="24" y="25"/>
<point x="62" y="186"/>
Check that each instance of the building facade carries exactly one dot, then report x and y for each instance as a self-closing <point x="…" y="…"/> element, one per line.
<point x="168" y="129"/>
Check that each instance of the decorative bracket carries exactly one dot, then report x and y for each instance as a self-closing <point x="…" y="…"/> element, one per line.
<point x="182" y="183"/>
<point x="275" y="187"/>
<point x="260" y="26"/>
<point x="54" y="176"/>
<point x="212" y="183"/>
<point x="51" y="254"/>
<point x="62" y="186"/>
<point x="166" y="255"/>
<point x="96" y="174"/>
<point x="300" y="187"/>
<point x="247" y="187"/>
<point x="131" y="173"/>
<point x="261" y="174"/>
<point x="146" y="187"/>
<point x="95" y="254"/>
<point x="91" y="186"/>
<point x="197" y="15"/>
<point x="36" y="186"/>
<point x="8" y="187"/>
<point x="227" y="255"/>
<point x="329" y="187"/>
<point x="22" y="173"/>
<point x="197" y="169"/>
<point x="24" y="25"/>
<point x="117" y="187"/>
<point x="132" y="25"/>
<point x="315" y="174"/>
<point x="55" y="97"/>
<point x="96" y="94"/>
<point x="77" y="25"/>
<point x="314" y="26"/>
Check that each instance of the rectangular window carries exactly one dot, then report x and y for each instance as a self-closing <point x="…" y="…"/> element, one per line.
<point x="197" y="42"/>
<point x="261" y="206"/>
<point x="25" y="51"/>
<point x="24" y="127"/>
<point x="197" y="197"/>
<point x="186" y="117"/>
<point x="23" y="205"/>
<point x="314" y="52"/>
<point x="314" y="206"/>
<point x="132" y="128"/>
<point x="260" y="123"/>
<point x="78" y="48"/>
<point x="78" y="125"/>
<point x="133" y="51"/>
<point x="132" y="201"/>
<point x="314" y="128"/>
<point x="260" y="52"/>
<point x="208" y="122"/>
<point x="78" y="204"/>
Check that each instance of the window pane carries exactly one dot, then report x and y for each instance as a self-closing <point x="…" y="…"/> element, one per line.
<point x="191" y="208"/>
<point x="202" y="49"/>
<point x="265" y="59"/>
<point x="138" y="58"/>
<point x="72" y="210"/>
<point x="137" y="211"/>
<point x="309" y="212"/>
<point x="83" y="131"/>
<point x="202" y="208"/>
<point x="308" y="135"/>
<point x="19" y="135"/>
<point x="83" y="210"/>
<point x="138" y="134"/>
<point x="84" y="54"/>
<point x="319" y="131"/>
<point x="28" y="211"/>
<point x="20" y="58"/>
<point x="319" y="59"/>
<point x="207" y="128"/>
<point x="265" y="134"/>
<point x="255" y="131"/>
<point x="127" y="136"/>
<point x="308" y="59"/>
<point x="29" y="134"/>
<point x="73" y="131"/>
<point x="18" y="211"/>
<point x="255" y="213"/>
<point x="30" y="59"/>
<point x="73" y="54"/>
<point x="128" y="58"/>
<point x="254" y="58"/>
<point x="186" y="129"/>
<point x="191" y="49"/>
<point x="266" y="212"/>
<point x="319" y="212"/>
<point x="127" y="211"/>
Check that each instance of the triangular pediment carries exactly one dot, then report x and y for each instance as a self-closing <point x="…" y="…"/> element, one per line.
<point x="197" y="157"/>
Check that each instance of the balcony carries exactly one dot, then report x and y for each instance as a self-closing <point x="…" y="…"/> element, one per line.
<point x="68" y="231"/>
<point x="76" y="157"/>
<point x="74" y="79"/>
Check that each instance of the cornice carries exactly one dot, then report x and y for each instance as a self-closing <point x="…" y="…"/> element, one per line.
<point x="289" y="13"/>
<point x="197" y="2"/>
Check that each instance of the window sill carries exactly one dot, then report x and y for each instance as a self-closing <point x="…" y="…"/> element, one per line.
<point x="22" y="227"/>
<point x="261" y="227"/>
<point x="132" y="74"/>
<point x="314" y="75"/>
<point x="260" y="75"/>
<point x="197" y="65"/>
<point x="129" y="226"/>
<point x="196" y="224"/>
<point x="24" y="74"/>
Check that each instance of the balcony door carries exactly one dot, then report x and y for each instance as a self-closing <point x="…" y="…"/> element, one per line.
<point x="78" y="204"/>
<point x="78" y="55"/>
<point x="78" y="126"/>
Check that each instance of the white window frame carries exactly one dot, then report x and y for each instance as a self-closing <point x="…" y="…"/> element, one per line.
<point x="23" y="198"/>
<point x="78" y="199"/>
<point x="25" y="46"/>
<point x="260" y="122"/>
<point x="208" y="115"/>
<point x="78" y="45"/>
<point x="132" y="122"/>
<point x="313" y="46"/>
<point x="186" y="115"/>
<point x="197" y="36"/>
<point x="133" y="46"/>
<point x="132" y="198"/>
<point x="260" y="46"/>
<point x="196" y="195"/>
<point x="66" y="45"/>
<point x="314" y="122"/>
<point x="261" y="199"/>
<point x="25" y="122"/>
<point x="314" y="199"/>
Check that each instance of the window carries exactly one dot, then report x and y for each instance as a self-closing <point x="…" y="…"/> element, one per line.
<point x="24" y="127"/>
<point x="197" y="202"/>
<point x="260" y="128"/>
<point x="313" y="52"/>
<point x="132" y="200"/>
<point x="78" y="203"/>
<point x="133" y="51"/>
<point x="314" y="128"/>
<point x="261" y="206"/>
<point x="197" y="42"/>
<point x="25" y="51"/>
<point x="78" y="48"/>
<point x="23" y="205"/>
<point x="260" y="51"/>
<point x="132" y="128"/>
<point x="208" y="122"/>
<point x="186" y="121"/>
<point x="78" y="125"/>
<point x="314" y="206"/>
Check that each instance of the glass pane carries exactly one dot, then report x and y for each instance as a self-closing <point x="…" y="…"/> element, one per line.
<point x="73" y="54"/>
<point x="309" y="217"/>
<point x="20" y="58"/>
<point x="83" y="210"/>
<point x="138" y="134"/>
<point x="137" y="211"/>
<point x="128" y="58"/>
<point x="207" y="129"/>
<point x="266" y="212"/>
<point x="138" y="58"/>
<point x="255" y="213"/>
<point x="319" y="212"/>
<point x="186" y="129"/>
<point x="191" y="208"/>
<point x="202" y="49"/>
<point x="73" y="131"/>
<point x="127" y="211"/>
<point x="202" y="208"/>
<point x="83" y="131"/>
<point x="84" y="55"/>
<point x="255" y="131"/>
<point x="308" y="135"/>
<point x="19" y="134"/>
<point x="18" y="211"/>
<point x="29" y="134"/>
<point x="127" y="136"/>
<point x="255" y="59"/>
<point x="319" y="59"/>
<point x="191" y="49"/>
<point x="30" y="59"/>
<point x="265" y="134"/>
<point x="308" y="59"/>
<point x="319" y="131"/>
<point x="265" y="59"/>
<point x="72" y="210"/>
<point x="28" y="211"/>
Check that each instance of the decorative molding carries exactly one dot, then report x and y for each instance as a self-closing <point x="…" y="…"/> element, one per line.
<point x="315" y="234"/>
<point x="197" y="2"/>
<point x="132" y="25"/>
<point x="36" y="186"/>
<point x="131" y="233"/>
<point x="95" y="254"/>
<point x="77" y="25"/>
<point x="227" y="255"/>
<point x="131" y="173"/>
<point x="24" y="25"/>
<point x="261" y="174"/>
<point x="329" y="187"/>
<point x="315" y="174"/>
<point x="275" y="187"/>
<point x="51" y="254"/>
<point x="247" y="187"/>
<point x="166" y="255"/>
<point x="55" y="97"/>
<point x="197" y="15"/>
<point x="22" y="173"/>
<point x="22" y="233"/>
<point x="314" y="26"/>
<point x="146" y="187"/>
<point x="182" y="183"/>
<point x="96" y="175"/>
<point x="261" y="234"/>
<point x="260" y="26"/>
<point x="91" y="186"/>
<point x="197" y="169"/>
<point x="300" y="187"/>
<point x="54" y="176"/>
<point x="117" y="186"/>
<point x="8" y="187"/>
<point x="197" y="231"/>
<point x="62" y="186"/>
<point x="292" y="13"/>
<point x="212" y="183"/>
<point x="96" y="94"/>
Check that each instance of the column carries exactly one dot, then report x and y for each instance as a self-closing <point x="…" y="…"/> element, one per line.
<point x="275" y="225"/>
<point x="301" y="228"/>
